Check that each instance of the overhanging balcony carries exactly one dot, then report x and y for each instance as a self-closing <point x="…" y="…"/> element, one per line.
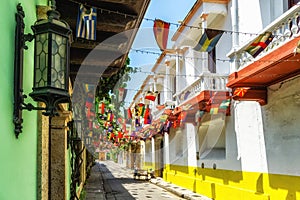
<point x="278" y="62"/>
<point x="202" y="90"/>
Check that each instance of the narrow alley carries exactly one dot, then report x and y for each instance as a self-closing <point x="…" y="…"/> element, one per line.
<point x="108" y="180"/>
<point x="148" y="99"/>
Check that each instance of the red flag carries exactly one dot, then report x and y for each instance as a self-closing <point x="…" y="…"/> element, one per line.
<point x="101" y="107"/>
<point x="151" y="95"/>
<point x="129" y="114"/>
<point x="147" y="119"/>
<point x="120" y="135"/>
<point x="161" y="33"/>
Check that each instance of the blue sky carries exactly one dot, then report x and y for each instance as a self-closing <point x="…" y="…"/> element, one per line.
<point x="166" y="10"/>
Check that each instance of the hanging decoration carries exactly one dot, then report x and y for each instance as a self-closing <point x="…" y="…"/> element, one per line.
<point x="121" y="94"/>
<point x="161" y="33"/>
<point x="223" y="107"/>
<point x="139" y="109"/>
<point x="260" y="43"/>
<point x="86" y="23"/>
<point x="208" y="40"/>
<point x="151" y="95"/>
<point x="240" y="91"/>
<point x="147" y="116"/>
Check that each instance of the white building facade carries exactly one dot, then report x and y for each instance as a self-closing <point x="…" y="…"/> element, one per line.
<point x="250" y="150"/>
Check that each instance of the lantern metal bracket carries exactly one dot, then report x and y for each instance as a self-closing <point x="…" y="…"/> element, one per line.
<point x="20" y="40"/>
<point x="29" y="106"/>
<point x="48" y="93"/>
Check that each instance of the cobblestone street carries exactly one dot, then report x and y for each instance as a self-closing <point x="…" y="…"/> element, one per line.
<point x="108" y="180"/>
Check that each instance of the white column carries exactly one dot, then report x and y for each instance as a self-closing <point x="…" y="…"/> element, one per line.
<point x="250" y="137"/>
<point x="166" y="149"/>
<point x="168" y="87"/>
<point x="191" y="144"/>
<point x="235" y="34"/>
<point x="183" y="79"/>
<point x="153" y="151"/>
<point x="177" y="71"/>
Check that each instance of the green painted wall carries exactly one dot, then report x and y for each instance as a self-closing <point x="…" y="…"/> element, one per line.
<point x="68" y="173"/>
<point x="18" y="163"/>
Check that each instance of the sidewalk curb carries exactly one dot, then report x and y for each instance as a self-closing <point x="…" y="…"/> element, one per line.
<point x="181" y="192"/>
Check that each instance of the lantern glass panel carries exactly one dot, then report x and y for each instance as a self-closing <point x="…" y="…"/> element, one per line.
<point x="41" y="59"/>
<point x="58" y="70"/>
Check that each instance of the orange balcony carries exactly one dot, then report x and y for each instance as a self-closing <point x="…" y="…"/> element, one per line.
<point x="278" y="65"/>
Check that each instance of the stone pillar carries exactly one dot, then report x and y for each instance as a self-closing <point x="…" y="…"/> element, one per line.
<point x="42" y="155"/>
<point x="59" y="157"/>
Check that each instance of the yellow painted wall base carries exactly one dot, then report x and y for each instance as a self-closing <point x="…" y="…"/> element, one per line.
<point x="148" y="165"/>
<point x="234" y="185"/>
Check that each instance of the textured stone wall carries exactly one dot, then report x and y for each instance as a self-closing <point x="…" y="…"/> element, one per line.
<point x="42" y="155"/>
<point x="59" y="130"/>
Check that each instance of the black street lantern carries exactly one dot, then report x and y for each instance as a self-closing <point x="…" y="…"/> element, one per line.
<point x="51" y="66"/>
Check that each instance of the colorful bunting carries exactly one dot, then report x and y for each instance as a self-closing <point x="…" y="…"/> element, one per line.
<point x="199" y="114"/>
<point x="100" y="108"/>
<point x="161" y="33"/>
<point x="140" y="109"/>
<point x="208" y="40"/>
<point x="129" y="113"/>
<point x="121" y="94"/>
<point x="89" y="87"/>
<point x="86" y="23"/>
<point x="223" y="107"/>
<point x="163" y="117"/>
<point x="89" y="100"/>
<point x="167" y="126"/>
<point x="151" y="95"/>
<point x="147" y="118"/>
<point x="110" y="116"/>
<point x="261" y="42"/>
<point x="214" y="111"/>
<point x="182" y="116"/>
<point x="240" y="92"/>
<point x="225" y="104"/>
